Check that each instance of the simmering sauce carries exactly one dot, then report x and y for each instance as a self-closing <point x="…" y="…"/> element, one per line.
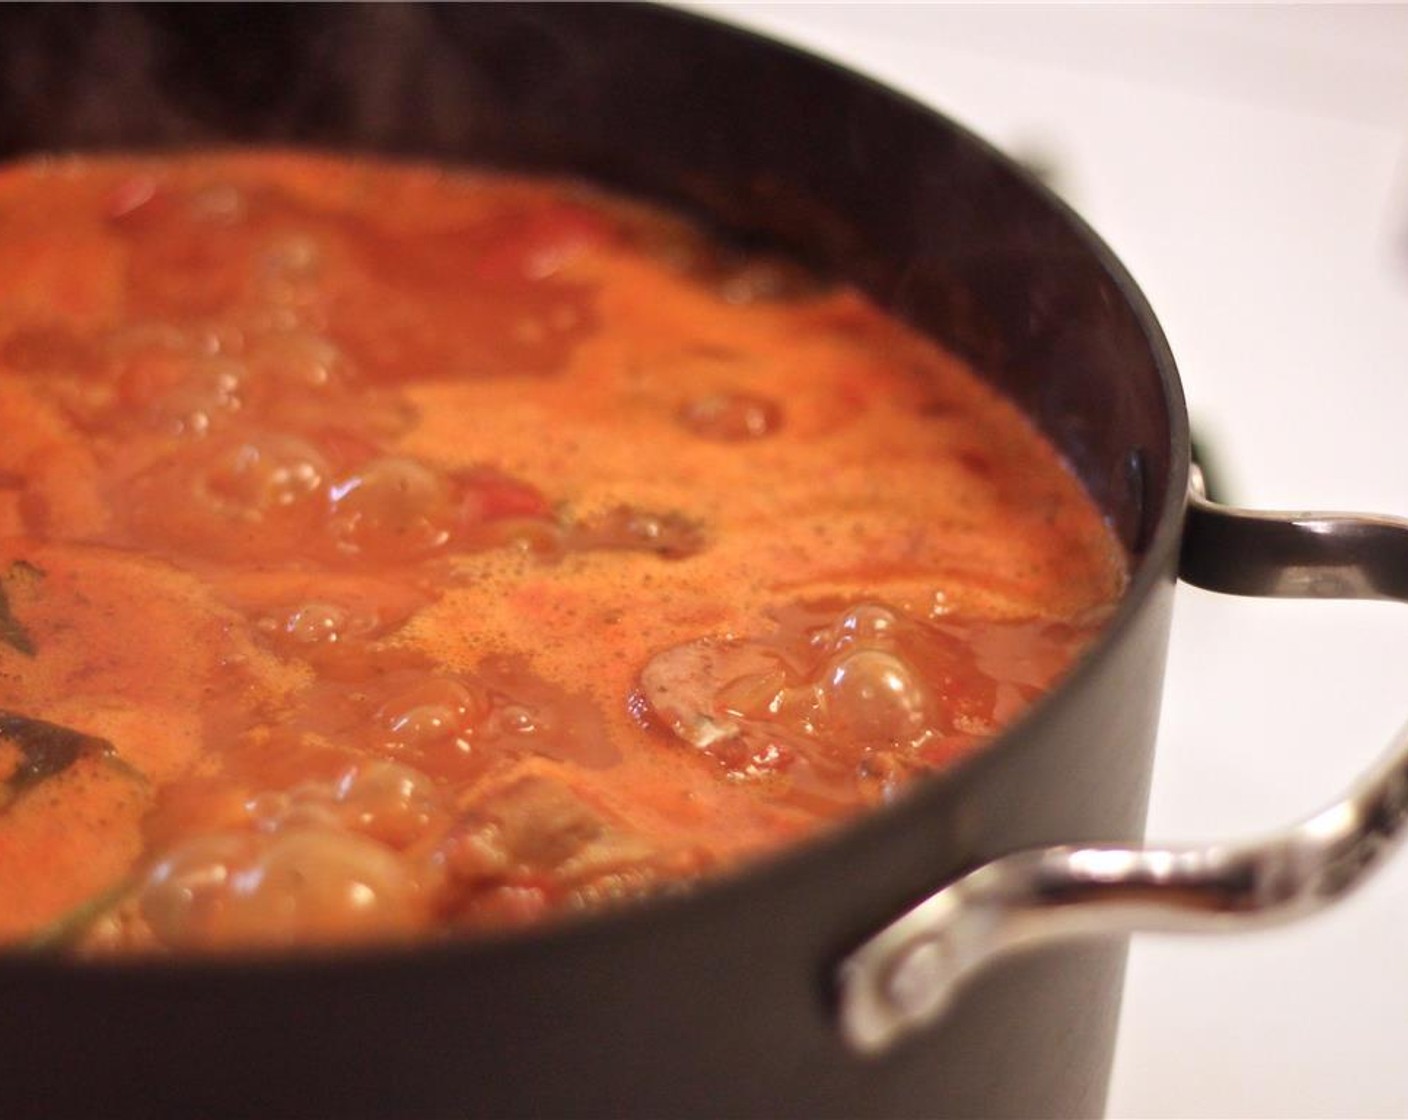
<point x="386" y="551"/>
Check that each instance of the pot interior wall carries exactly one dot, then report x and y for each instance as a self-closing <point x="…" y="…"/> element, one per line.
<point x="858" y="182"/>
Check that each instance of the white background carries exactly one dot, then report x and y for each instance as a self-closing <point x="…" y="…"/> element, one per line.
<point x="1250" y="166"/>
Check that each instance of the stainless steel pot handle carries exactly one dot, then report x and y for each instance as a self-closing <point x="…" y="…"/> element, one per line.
<point x="904" y="976"/>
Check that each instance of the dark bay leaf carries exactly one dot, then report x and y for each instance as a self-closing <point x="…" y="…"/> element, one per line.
<point x="12" y="631"/>
<point x="46" y="749"/>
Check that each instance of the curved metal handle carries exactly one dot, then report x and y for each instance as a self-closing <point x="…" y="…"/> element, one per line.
<point x="903" y="977"/>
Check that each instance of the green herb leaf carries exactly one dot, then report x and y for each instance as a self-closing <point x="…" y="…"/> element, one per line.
<point x="69" y="927"/>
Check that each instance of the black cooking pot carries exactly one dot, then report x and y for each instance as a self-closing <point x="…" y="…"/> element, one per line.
<point x="742" y="998"/>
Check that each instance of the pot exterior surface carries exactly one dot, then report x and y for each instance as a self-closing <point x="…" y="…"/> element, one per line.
<point x="721" y="1002"/>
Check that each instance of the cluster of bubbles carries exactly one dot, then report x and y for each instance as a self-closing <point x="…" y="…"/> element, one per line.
<point x="326" y="862"/>
<point x="831" y="691"/>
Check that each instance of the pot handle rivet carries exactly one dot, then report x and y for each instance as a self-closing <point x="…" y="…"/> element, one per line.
<point x="916" y="976"/>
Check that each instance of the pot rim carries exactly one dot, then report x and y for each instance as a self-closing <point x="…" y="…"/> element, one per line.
<point x="1164" y="526"/>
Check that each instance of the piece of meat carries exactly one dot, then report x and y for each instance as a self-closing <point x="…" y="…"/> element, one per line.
<point x="627" y="529"/>
<point x="537" y="838"/>
<point x="683" y="686"/>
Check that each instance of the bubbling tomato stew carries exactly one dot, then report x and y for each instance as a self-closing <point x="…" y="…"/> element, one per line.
<point x="388" y="551"/>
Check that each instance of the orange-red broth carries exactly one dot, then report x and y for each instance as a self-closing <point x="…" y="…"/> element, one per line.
<point x="387" y="551"/>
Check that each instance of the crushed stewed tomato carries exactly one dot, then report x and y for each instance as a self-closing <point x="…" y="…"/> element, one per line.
<point x="386" y="551"/>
